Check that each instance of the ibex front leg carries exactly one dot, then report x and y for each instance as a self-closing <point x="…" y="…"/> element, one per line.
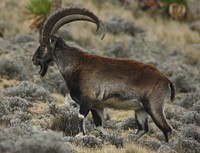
<point x="83" y="112"/>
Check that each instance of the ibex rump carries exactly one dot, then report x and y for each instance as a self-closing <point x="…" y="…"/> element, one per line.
<point x="96" y="82"/>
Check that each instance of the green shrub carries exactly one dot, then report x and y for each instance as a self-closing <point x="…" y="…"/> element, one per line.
<point x="39" y="7"/>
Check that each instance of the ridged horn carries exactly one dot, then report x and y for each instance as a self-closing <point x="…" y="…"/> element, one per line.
<point x="67" y="15"/>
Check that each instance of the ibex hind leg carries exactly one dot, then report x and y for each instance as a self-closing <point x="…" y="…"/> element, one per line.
<point x="98" y="115"/>
<point x="161" y="121"/>
<point x="141" y="117"/>
<point x="156" y="110"/>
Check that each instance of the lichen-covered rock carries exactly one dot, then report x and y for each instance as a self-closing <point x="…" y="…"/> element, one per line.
<point x="41" y="142"/>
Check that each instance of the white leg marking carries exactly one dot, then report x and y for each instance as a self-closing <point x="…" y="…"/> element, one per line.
<point x="81" y="116"/>
<point x="84" y="129"/>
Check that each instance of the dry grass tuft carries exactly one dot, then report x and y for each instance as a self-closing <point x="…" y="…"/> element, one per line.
<point x="105" y="149"/>
<point x="168" y="32"/>
<point x="134" y="148"/>
<point x="8" y="83"/>
<point x="173" y="35"/>
<point x="129" y="148"/>
<point x="120" y="115"/>
<point x="59" y="98"/>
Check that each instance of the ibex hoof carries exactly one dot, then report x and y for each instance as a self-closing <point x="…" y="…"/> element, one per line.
<point x="139" y="134"/>
<point x="173" y="135"/>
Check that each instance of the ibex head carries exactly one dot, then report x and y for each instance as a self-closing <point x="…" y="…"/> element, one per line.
<point x="44" y="53"/>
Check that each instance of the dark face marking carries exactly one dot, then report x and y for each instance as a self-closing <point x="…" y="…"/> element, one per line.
<point x="42" y="59"/>
<point x="38" y="55"/>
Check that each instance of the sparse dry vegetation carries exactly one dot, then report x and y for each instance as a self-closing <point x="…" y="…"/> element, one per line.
<point x="31" y="105"/>
<point x="130" y="148"/>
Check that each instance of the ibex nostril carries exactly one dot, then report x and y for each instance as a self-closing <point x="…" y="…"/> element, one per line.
<point x="97" y="82"/>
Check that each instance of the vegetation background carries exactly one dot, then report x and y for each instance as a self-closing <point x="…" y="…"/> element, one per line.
<point x="37" y="115"/>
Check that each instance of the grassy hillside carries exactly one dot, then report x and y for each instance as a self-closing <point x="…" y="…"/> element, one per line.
<point x="36" y="112"/>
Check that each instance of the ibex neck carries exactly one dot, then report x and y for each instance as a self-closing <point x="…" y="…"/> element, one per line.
<point x="67" y="59"/>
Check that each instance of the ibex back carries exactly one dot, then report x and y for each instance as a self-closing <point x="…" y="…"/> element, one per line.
<point x="96" y="82"/>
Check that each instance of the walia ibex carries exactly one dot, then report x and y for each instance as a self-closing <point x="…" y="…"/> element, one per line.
<point x="96" y="82"/>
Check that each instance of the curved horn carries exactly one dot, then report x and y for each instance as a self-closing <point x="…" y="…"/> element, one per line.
<point x="67" y="15"/>
<point x="68" y="19"/>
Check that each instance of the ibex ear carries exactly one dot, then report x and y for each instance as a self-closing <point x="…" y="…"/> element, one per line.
<point x="53" y="41"/>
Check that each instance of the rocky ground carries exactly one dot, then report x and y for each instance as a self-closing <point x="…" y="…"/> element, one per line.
<point x="37" y="115"/>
